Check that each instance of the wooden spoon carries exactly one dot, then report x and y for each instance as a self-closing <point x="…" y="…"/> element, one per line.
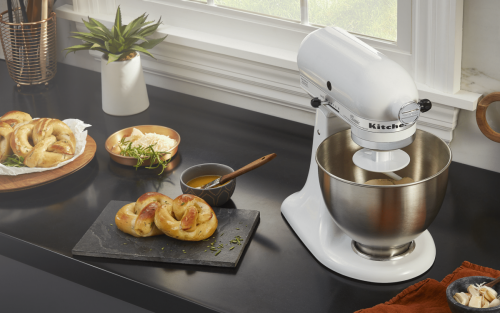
<point x="494" y="282"/>
<point x="245" y="169"/>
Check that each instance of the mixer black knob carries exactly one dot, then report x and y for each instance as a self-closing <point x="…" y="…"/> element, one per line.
<point x="315" y="102"/>
<point x="425" y="105"/>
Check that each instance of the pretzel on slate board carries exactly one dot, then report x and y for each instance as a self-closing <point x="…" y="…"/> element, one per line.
<point x="187" y="217"/>
<point x="137" y="218"/>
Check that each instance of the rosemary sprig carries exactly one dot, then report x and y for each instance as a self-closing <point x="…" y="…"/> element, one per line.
<point x="142" y="154"/>
<point x="14" y="161"/>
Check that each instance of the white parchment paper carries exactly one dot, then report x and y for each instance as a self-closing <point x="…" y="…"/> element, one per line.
<point x="78" y="128"/>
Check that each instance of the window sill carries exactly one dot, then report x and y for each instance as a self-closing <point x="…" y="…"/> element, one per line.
<point x="254" y="52"/>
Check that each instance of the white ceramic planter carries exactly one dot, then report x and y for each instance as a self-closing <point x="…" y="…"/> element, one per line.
<point x="123" y="87"/>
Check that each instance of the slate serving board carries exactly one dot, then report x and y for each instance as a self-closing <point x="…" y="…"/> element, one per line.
<point x="104" y="239"/>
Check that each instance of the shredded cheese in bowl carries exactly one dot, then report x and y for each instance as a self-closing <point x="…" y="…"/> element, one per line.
<point x="161" y="143"/>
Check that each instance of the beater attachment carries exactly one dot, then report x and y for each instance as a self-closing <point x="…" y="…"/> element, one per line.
<point x="382" y="161"/>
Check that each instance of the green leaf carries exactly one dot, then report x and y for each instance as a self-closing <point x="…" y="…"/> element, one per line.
<point x="96" y="45"/>
<point x="152" y="43"/>
<point x="86" y="46"/>
<point x="137" y="37"/>
<point x="95" y="29"/>
<point x="102" y="37"/>
<point x="80" y="47"/>
<point x="88" y="39"/>
<point x="92" y="22"/>
<point x="112" y="57"/>
<point x="114" y="46"/>
<point x="118" y="19"/>
<point x="135" y="23"/>
<point x="129" y="42"/>
<point x="136" y="29"/>
<point x="119" y="37"/>
<point x="146" y="31"/>
<point x="141" y="49"/>
<point x="14" y="161"/>
<point x="99" y="48"/>
<point x="101" y="27"/>
<point x="116" y="33"/>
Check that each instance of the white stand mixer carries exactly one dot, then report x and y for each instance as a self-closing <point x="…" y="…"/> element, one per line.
<point x="351" y="89"/>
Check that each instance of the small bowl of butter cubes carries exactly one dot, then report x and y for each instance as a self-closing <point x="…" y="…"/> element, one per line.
<point x="469" y="294"/>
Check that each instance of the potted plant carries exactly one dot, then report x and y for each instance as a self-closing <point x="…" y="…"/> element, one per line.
<point x="123" y="87"/>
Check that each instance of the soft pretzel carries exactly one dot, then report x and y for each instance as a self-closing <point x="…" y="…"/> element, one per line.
<point x="21" y="140"/>
<point x="5" y="134"/>
<point x="187" y="217"/>
<point x="46" y="153"/>
<point x="15" y="117"/>
<point x="46" y="127"/>
<point x="137" y="218"/>
<point x="43" y="143"/>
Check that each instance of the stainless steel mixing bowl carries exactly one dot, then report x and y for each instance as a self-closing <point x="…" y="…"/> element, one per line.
<point x="383" y="220"/>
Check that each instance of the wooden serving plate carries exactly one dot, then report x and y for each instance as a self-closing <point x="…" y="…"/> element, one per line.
<point x="27" y="181"/>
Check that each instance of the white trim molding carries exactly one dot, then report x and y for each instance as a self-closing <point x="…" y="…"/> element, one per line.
<point x="256" y="68"/>
<point x="95" y="6"/>
<point x="438" y="44"/>
<point x="440" y="121"/>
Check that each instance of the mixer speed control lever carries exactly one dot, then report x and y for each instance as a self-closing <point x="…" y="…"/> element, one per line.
<point x="316" y="102"/>
<point x="425" y="105"/>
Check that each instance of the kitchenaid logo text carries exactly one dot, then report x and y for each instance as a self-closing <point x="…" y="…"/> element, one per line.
<point x="378" y="126"/>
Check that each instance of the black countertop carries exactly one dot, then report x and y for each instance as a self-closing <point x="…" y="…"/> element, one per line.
<point x="39" y="227"/>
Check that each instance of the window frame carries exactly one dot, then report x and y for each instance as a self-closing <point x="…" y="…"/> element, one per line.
<point x="404" y="28"/>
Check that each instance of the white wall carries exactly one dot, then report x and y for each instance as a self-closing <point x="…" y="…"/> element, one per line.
<point x="64" y="29"/>
<point x="481" y="74"/>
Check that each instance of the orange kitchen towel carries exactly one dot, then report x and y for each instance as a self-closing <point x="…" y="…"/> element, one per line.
<point x="429" y="295"/>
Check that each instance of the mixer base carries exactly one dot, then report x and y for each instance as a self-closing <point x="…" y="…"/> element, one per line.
<point x="311" y="221"/>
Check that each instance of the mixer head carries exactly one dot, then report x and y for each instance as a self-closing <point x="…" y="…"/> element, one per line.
<point x="366" y="89"/>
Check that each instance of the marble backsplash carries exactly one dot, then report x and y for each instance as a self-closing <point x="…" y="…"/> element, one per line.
<point x="477" y="81"/>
